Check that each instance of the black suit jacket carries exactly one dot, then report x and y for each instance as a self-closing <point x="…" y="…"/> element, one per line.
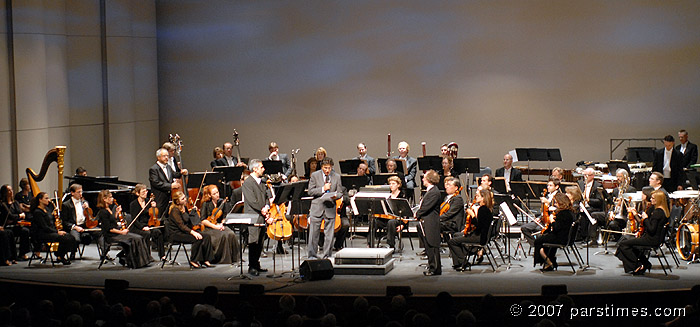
<point x="677" y="174"/>
<point x="68" y="214"/>
<point x="690" y="157"/>
<point x="515" y="174"/>
<point x="161" y="185"/>
<point x="429" y="212"/>
<point x="454" y="217"/>
<point x="223" y="162"/>
<point x="596" y="200"/>
<point x="255" y="199"/>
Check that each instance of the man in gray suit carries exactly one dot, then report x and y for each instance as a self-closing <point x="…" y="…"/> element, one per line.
<point x="276" y="155"/>
<point x="255" y="201"/>
<point x="323" y="208"/>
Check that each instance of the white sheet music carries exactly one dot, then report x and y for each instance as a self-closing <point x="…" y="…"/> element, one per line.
<point x="509" y="214"/>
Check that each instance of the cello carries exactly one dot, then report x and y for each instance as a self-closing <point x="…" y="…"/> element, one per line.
<point x="280" y="229"/>
<point x="337" y="223"/>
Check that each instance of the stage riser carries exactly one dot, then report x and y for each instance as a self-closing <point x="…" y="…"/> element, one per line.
<point x="364" y="269"/>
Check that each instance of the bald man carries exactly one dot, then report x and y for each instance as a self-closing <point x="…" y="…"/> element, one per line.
<point x="511" y="174"/>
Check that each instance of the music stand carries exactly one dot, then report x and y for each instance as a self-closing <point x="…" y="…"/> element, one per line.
<point x="240" y="219"/>
<point x="499" y="185"/>
<point x="401" y="208"/>
<point x="430" y="162"/>
<point x="349" y="166"/>
<point x="273" y="167"/>
<point x="231" y="173"/>
<point x="370" y="203"/>
<point x="292" y="193"/>
<point x="614" y="165"/>
<point x="354" y="182"/>
<point x="382" y="179"/>
<point x="642" y="154"/>
<point x="506" y="215"/>
<point x="466" y="166"/>
<point x="553" y="155"/>
<point x="194" y="180"/>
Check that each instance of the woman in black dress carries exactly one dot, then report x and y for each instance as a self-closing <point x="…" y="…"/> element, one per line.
<point x="139" y="213"/>
<point x="480" y="235"/>
<point x="653" y="222"/>
<point x="179" y="228"/>
<point x="223" y="239"/>
<point x="392" y="224"/>
<point x="135" y="253"/>
<point x="44" y="227"/>
<point x="557" y="232"/>
<point x="13" y="218"/>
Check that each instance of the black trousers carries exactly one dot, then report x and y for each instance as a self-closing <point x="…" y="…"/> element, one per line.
<point x="254" y="251"/>
<point x="66" y="242"/>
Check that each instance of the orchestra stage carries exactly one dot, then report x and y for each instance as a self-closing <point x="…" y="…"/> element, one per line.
<point x="520" y="278"/>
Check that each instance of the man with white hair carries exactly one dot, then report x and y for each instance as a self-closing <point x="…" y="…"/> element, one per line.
<point x="594" y="201"/>
<point x="411" y="165"/>
<point x="162" y="178"/>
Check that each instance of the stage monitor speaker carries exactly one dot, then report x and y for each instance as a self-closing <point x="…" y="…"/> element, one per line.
<point x="316" y="269"/>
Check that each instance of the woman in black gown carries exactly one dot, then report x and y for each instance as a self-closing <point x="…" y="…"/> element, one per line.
<point x="139" y="214"/>
<point x="653" y="222"/>
<point x="480" y="235"/>
<point x="223" y="239"/>
<point x="179" y="228"/>
<point x="135" y="252"/>
<point x="557" y="232"/>
<point x="44" y="227"/>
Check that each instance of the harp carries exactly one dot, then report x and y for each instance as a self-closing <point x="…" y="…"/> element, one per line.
<point x="56" y="154"/>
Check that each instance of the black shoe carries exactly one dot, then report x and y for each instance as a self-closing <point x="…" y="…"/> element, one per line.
<point x="262" y="270"/>
<point x="432" y="273"/>
<point x="479" y="259"/>
<point x="64" y="261"/>
<point x="253" y="272"/>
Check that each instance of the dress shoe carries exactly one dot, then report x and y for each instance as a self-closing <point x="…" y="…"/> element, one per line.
<point x="207" y="264"/>
<point x="253" y="272"/>
<point x="432" y="273"/>
<point x="64" y="261"/>
<point x="122" y="261"/>
<point x="639" y="271"/>
<point x="262" y="270"/>
<point x="548" y="268"/>
<point x="194" y="264"/>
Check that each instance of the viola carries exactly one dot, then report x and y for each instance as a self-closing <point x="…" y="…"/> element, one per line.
<point x="90" y="219"/>
<point x="470" y="216"/>
<point x="153" y="214"/>
<point x="215" y="214"/>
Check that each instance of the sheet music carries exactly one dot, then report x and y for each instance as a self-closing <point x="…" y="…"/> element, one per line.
<point x="509" y="214"/>
<point x="369" y="195"/>
<point x="583" y="209"/>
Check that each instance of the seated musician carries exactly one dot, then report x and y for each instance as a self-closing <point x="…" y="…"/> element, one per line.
<point x="444" y="150"/>
<point x="594" y="201"/>
<point x="452" y="208"/>
<point x="617" y="217"/>
<point x="448" y="167"/>
<point x="311" y="166"/>
<point x="140" y="215"/>
<point x="11" y="210"/>
<point x="510" y="173"/>
<point x="228" y="159"/>
<point x="44" y="228"/>
<point x="283" y="157"/>
<point x="223" y="240"/>
<point x="574" y="194"/>
<point x="557" y="232"/>
<point x="391" y="169"/>
<point x="179" y="224"/>
<point x="363" y="170"/>
<point x="392" y="225"/>
<point x="485" y="182"/>
<point x="8" y="247"/>
<point x="533" y="227"/>
<point x="484" y="217"/>
<point x="135" y="253"/>
<point x="362" y="155"/>
<point x="218" y="153"/>
<point x="411" y="166"/>
<point x="652" y="223"/>
<point x="73" y="215"/>
<point x="557" y="172"/>
<point x="24" y="198"/>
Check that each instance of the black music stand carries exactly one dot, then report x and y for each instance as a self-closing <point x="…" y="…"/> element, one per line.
<point x="641" y="154"/>
<point x="227" y="221"/>
<point x="194" y="180"/>
<point x="273" y="167"/>
<point x="553" y="155"/>
<point x="369" y="206"/>
<point x="349" y="166"/>
<point x="382" y="179"/>
<point x="614" y="165"/>
<point x="231" y="173"/>
<point x="466" y="166"/>
<point x="293" y="194"/>
<point x="284" y="194"/>
<point x="354" y="182"/>
<point x="430" y="162"/>
<point x="401" y="208"/>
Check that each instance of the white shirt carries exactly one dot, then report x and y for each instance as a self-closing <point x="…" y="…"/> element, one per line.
<point x="587" y="194"/>
<point x="229" y="160"/>
<point x="79" y="216"/>
<point x="165" y="169"/>
<point x="667" y="163"/>
<point x="171" y="162"/>
<point x="506" y="175"/>
<point x="683" y="147"/>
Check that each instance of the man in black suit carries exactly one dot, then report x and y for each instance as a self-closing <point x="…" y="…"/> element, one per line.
<point x="688" y="149"/>
<point x="161" y="176"/>
<point x="255" y="201"/>
<point x="453" y="217"/>
<point x="669" y="162"/>
<point x="511" y="174"/>
<point x="173" y="161"/>
<point x="593" y="199"/>
<point x="229" y="159"/>
<point x="362" y="155"/>
<point x="73" y="217"/>
<point x="429" y="215"/>
<point x="276" y="155"/>
<point x="322" y="208"/>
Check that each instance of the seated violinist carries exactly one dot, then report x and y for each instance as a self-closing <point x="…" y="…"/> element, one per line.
<point x="556" y="232"/>
<point x="135" y="252"/>
<point x="223" y="240"/>
<point x="479" y="235"/>
<point x="547" y="201"/>
<point x="179" y="227"/>
<point x="146" y="218"/>
<point x="15" y="221"/>
<point x="485" y="182"/>
<point x="76" y="216"/>
<point x="392" y="225"/>
<point x="452" y="208"/>
<point x="44" y="227"/>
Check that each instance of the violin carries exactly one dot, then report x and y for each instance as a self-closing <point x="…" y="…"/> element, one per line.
<point x="153" y="214"/>
<point x="280" y="229"/>
<point x="120" y="217"/>
<point x="90" y="219"/>
<point x="469" y="225"/>
<point x="216" y="214"/>
<point x="545" y="219"/>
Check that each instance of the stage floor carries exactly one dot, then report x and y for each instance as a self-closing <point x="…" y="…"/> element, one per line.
<point x="519" y="278"/>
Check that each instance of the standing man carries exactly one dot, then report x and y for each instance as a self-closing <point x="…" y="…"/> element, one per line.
<point x="669" y="162"/>
<point x="411" y="168"/>
<point x="229" y="159"/>
<point x="323" y="208"/>
<point x="161" y="176"/>
<point x="429" y="215"/>
<point x="173" y="161"/>
<point x="362" y="155"/>
<point x="687" y="149"/>
<point x="276" y="155"/>
<point x="257" y="202"/>
<point x="511" y="174"/>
